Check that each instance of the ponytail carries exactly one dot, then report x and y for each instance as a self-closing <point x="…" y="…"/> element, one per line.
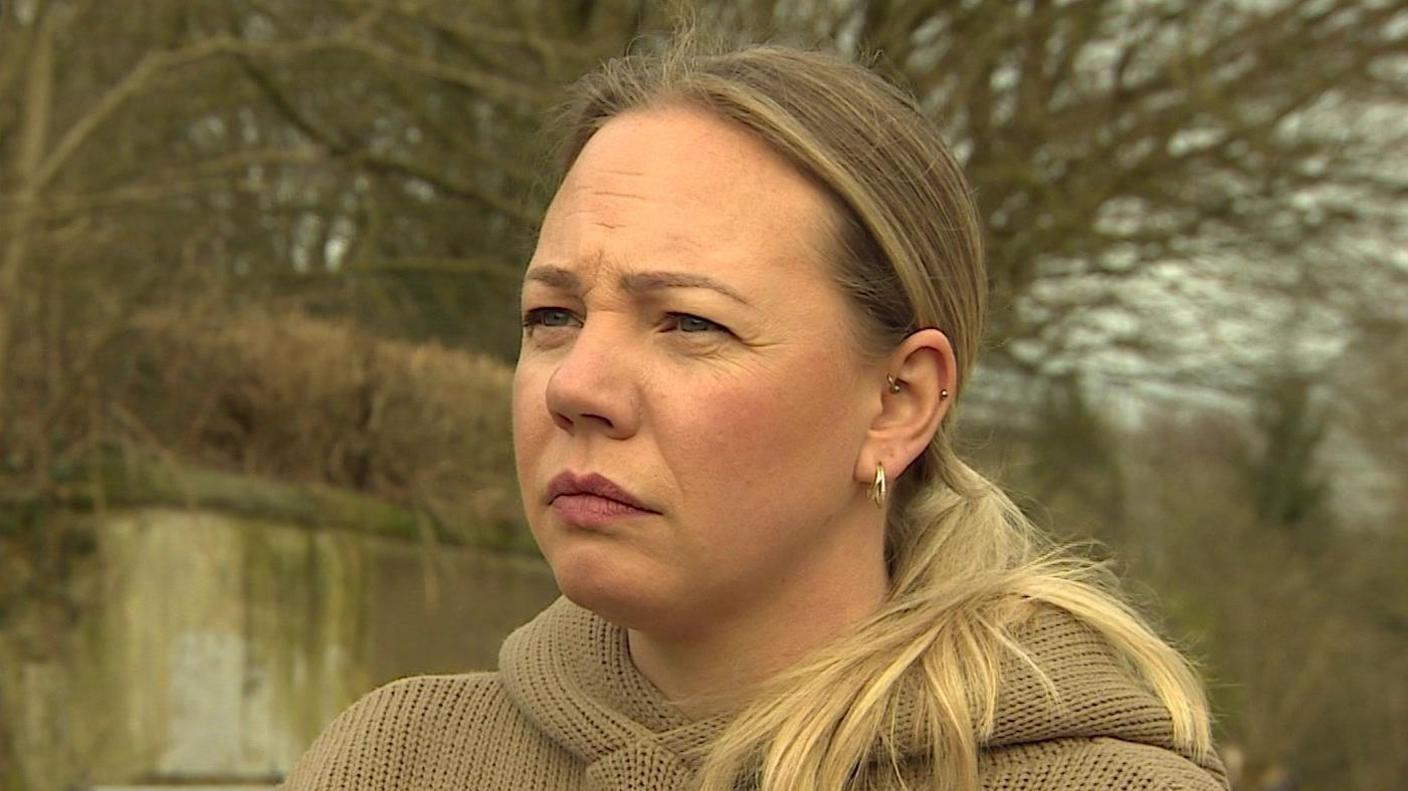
<point x="970" y="570"/>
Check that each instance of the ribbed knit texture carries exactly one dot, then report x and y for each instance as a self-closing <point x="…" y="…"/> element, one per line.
<point x="568" y="710"/>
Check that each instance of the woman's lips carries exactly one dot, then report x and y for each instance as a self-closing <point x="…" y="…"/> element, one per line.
<point x="592" y="511"/>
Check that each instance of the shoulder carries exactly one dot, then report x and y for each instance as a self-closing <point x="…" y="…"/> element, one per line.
<point x="1096" y="763"/>
<point x="419" y="704"/>
<point x="418" y="732"/>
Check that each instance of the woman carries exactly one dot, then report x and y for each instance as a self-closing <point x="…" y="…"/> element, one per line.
<point x="755" y="298"/>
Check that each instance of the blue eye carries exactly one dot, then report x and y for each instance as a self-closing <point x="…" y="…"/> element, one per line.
<point x="548" y="317"/>
<point x="689" y="323"/>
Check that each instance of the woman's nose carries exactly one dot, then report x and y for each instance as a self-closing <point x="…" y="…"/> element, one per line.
<point x="592" y="388"/>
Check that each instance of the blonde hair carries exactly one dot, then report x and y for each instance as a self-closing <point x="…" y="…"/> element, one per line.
<point x="966" y="565"/>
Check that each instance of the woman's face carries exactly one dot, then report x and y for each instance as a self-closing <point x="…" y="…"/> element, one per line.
<point x="683" y="339"/>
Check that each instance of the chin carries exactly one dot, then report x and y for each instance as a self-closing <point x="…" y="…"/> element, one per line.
<point x="592" y="578"/>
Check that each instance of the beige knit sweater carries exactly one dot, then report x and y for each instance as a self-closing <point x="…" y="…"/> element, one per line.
<point x="568" y="710"/>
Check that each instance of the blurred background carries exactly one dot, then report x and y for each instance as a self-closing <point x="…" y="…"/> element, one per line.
<point x="258" y="275"/>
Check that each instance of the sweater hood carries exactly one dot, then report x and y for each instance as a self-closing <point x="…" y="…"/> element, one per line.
<point x="570" y="674"/>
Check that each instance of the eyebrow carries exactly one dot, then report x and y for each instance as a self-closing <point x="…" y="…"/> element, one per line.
<point x="635" y="282"/>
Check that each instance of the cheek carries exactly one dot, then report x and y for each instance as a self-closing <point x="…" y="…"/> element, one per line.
<point x="532" y="433"/>
<point x="758" y="444"/>
<point x="531" y="422"/>
<point x="762" y="465"/>
<point x="723" y="440"/>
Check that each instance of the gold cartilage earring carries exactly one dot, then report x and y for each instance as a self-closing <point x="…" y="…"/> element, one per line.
<point x="894" y="384"/>
<point x="879" y="490"/>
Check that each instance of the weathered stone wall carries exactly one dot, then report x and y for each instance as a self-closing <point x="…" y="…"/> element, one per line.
<point x="216" y="646"/>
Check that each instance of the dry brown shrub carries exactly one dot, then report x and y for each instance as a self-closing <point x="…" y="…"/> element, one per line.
<point x="298" y="398"/>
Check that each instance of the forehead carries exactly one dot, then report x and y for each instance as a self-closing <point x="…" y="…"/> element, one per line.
<point x="682" y="189"/>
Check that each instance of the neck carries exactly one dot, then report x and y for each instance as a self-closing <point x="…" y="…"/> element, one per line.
<point x="731" y="647"/>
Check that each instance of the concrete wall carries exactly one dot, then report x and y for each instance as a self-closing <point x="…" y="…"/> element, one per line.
<point x="215" y="647"/>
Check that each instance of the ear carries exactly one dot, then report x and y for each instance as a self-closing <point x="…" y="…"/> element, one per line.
<point x="927" y="373"/>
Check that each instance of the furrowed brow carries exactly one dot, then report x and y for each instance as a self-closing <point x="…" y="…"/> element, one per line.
<point x="641" y="282"/>
<point x="634" y="282"/>
<point x="554" y="277"/>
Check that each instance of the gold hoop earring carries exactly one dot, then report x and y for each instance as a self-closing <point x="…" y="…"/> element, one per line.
<point x="879" y="490"/>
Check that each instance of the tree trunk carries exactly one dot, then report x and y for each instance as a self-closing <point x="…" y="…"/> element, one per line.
<point x="37" y="103"/>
